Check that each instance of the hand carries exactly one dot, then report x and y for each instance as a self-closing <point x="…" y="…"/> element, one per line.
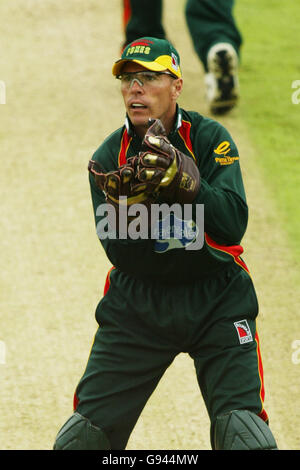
<point x="122" y="183"/>
<point x="160" y="161"/>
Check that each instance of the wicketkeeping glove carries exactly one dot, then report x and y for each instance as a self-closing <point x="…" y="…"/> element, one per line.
<point x="159" y="160"/>
<point x="123" y="182"/>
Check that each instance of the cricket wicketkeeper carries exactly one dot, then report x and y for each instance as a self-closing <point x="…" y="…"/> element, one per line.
<point x="161" y="298"/>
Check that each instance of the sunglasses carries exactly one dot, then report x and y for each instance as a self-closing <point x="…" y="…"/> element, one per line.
<point x="142" y="77"/>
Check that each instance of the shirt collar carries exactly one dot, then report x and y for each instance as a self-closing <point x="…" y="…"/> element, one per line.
<point x="178" y="123"/>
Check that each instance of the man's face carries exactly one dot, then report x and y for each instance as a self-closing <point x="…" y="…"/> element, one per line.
<point x="155" y="99"/>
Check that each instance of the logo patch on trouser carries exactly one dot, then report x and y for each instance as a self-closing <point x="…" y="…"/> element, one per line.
<point x="243" y="331"/>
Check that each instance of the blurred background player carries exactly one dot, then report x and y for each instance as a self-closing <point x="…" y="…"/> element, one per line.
<point x="216" y="39"/>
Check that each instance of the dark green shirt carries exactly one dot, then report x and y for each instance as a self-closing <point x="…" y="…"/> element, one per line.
<point x="221" y="192"/>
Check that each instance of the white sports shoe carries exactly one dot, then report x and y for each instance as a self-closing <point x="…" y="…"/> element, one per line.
<point x="222" y="86"/>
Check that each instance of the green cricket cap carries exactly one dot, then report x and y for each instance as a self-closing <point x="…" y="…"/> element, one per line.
<point x="152" y="53"/>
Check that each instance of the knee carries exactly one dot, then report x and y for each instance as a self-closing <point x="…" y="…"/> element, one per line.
<point x="241" y="430"/>
<point x="78" y="433"/>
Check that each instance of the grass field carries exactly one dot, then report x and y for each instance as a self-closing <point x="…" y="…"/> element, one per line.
<point x="61" y="101"/>
<point x="269" y="67"/>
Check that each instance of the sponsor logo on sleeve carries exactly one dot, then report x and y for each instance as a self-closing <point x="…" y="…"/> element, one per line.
<point x="223" y="149"/>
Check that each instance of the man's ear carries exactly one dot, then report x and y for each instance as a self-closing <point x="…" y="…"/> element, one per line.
<point x="177" y="88"/>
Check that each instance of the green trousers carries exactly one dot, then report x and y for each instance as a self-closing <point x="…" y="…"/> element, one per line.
<point x="209" y="22"/>
<point x="143" y="326"/>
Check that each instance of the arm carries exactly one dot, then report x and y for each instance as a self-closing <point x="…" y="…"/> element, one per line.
<point x="120" y="252"/>
<point x="215" y="181"/>
<point x="222" y="189"/>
